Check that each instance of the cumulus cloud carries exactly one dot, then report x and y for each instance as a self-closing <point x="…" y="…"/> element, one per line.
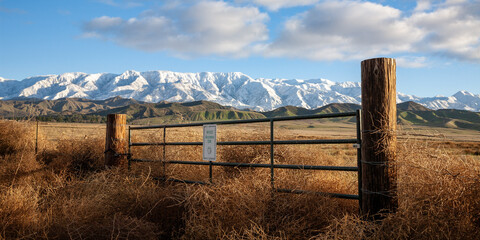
<point x="329" y="30"/>
<point x="411" y="61"/>
<point x="345" y="30"/>
<point x="342" y="30"/>
<point x="423" y="5"/>
<point x="452" y="30"/>
<point x="203" y="28"/>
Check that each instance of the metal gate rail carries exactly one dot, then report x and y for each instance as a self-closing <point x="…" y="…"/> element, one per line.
<point x="271" y="142"/>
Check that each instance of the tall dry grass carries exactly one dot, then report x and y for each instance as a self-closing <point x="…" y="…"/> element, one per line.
<point x="64" y="193"/>
<point x="438" y="193"/>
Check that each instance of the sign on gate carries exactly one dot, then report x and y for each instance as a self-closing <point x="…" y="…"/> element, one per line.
<point x="209" y="142"/>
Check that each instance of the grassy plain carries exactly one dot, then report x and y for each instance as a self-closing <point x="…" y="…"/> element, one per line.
<point x="63" y="192"/>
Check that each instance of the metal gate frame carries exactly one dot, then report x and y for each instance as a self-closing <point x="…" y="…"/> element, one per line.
<point x="272" y="142"/>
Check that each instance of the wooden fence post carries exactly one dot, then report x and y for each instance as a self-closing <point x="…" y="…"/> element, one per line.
<point x="379" y="124"/>
<point x="115" y="141"/>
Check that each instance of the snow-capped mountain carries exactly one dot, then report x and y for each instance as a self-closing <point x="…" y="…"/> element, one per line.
<point x="230" y="89"/>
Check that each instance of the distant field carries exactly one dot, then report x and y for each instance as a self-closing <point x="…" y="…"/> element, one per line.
<point x="452" y="141"/>
<point x="309" y="128"/>
<point x="460" y="141"/>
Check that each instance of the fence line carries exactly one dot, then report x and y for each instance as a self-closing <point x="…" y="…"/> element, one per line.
<point x="272" y="142"/>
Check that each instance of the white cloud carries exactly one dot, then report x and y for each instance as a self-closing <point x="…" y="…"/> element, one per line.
<point x="204" y="28"/>
<point x="277" y="4"/>
<point x="331" y="30"/>
<point x="423" y="5"/>
<point x="345" y="30"/>
<point x="411" y="62"/>
<point x="452" y="30"/>
<point x="342" y="30"/>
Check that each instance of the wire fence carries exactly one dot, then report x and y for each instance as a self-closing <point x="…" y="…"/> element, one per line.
<point x="54" y="132"/>
<point x="272" y="142"/>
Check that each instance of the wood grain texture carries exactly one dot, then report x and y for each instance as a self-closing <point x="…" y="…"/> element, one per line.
<point x="379" y="125"/>
<point x="115" y="141"/>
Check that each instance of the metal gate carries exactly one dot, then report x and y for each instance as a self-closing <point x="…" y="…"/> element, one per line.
<point x="272" y="142"/>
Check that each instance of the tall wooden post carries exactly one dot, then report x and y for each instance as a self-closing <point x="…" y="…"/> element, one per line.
<point x="115" y="141"/>
<point x="379" y="124"/>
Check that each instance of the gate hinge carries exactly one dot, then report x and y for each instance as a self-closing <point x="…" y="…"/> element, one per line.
<point x="357" y="145"/>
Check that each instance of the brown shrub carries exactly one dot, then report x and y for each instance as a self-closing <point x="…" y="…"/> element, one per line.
<point x="18" y="211"/>
<point x="438" y="196"/>
<point x="245" y="206"/>
<point x="77" y="156"/>
<point x="16" y="137"/>
<point x="242" y="154"/>
<point x="17" y="157"/>
<point x="18" y="168"/>
<point x="112" y="205"/>
<point x="213" y="211"/>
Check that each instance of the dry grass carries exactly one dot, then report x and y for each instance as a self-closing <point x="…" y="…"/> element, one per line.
<point x="438" y="196"/>
<point x="63" y="192"/>
<point x="16" y="137"/>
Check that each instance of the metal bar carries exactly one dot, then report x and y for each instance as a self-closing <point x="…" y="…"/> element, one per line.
<point x="265" y="165"/>
<point x="142" y="160"/>
<point x="146" y="144"/>
<point x="272" y="168"/>
<point x="359" y="158"/>
<point x="282" y="142"/>
<point x="313" y="167"/>
<point x="244" y="143"/>
<point x="315" y="116"/>
<point x="180" y="181"/>
<point x="335" y="195"/>
<point x="280" y="190"/>
<point x="304" y="117"/>
<point x="210" y="175"/>
<point x="317" y="141"/>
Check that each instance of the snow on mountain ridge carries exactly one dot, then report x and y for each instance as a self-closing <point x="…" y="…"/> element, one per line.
<point x="233" y="89"/>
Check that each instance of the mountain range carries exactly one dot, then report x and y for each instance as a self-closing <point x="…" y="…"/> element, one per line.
<point x="228" y="89"/>
<point x="138" y="112"/>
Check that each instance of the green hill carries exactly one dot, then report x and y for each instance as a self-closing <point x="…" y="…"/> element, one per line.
<point x="84" y="110"/>
<point x="166" y="112"/>
<point x="337" y="108"/>
<point x="449" y="118"/>
<point x="288" y="111"/>
<point x="26" y="108"/>
<point x="411" y="106"/>
<point x="297" y="111"/>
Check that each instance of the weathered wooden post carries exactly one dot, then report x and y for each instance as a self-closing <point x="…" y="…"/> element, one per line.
<point x="379" y="124"/>
<point x="115" y="142"/>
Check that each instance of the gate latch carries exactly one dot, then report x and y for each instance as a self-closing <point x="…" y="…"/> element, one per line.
<point x="356" y="145"/>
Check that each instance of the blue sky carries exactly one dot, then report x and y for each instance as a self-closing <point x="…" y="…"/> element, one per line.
<point x="436" y="43"/>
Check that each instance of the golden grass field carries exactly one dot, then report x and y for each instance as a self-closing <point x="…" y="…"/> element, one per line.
<point x="64" y="192"/>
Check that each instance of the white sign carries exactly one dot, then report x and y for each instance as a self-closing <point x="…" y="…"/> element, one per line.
<point x="209" y="142"/>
